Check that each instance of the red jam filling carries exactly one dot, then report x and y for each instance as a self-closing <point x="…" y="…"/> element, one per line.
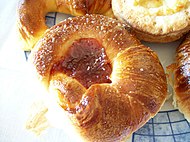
<point x="86" y="61"/>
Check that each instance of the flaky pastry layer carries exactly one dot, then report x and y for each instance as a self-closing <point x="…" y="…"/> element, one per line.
<point x="102" y="112"/>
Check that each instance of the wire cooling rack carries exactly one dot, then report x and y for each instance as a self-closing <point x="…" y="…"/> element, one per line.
<point x="166" y="126"/>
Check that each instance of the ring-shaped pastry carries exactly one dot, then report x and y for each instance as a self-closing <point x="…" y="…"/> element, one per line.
<point x="31" y="15"/>
<point x="107" y="82"/>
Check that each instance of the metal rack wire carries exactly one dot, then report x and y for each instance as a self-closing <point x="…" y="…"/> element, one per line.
<point x="166" y="126"/>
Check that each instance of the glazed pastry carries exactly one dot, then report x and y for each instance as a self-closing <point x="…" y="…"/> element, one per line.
<point x="155" y="20"/>
<point x="31" y="15"/>
<point x="106" y="81"/>
<point x="182" y="78"/>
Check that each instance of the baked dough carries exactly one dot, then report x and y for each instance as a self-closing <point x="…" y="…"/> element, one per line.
<point x="31" y="15"/>
<point x="127" y="82"/>
<point x="182" y="78"/>
<point x="155" y="20"/>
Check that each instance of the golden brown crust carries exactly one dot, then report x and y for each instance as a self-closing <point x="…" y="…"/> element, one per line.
<point x="182" y="78"/>
<point x="103" y="112"/>
<point x="31" y="23"/>
<point x="157" y="23"/>
<point x="31" y="15"/>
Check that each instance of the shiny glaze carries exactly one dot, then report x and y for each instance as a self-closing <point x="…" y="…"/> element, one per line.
<point x="182" y="73"/>
<point x="85" y="61"/>
<point x="182" y="78"/>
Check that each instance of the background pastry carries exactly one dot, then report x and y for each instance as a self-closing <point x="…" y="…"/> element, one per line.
<point x="182" y="78"/>
<point x="155" y="20"/>
<point x="31" y="15"/>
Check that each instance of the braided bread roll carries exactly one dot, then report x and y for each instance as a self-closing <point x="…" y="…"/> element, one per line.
<point x="105" y="80"/>
<point x="182" y="78"/>
<point x="31" y="15"/>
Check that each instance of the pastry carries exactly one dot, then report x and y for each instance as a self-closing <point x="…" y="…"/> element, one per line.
<point x="31" y="15"/>
<point x="103" y="78"/>
<point x="182" y="78"/>
<point x="154" y="20"/>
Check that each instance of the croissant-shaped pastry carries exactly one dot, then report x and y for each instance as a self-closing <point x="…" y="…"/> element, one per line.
<point x="107" y="82"/>
<point x="155" y="20"/>
<point x="182" y="78"/>
<point x="31" y="15"/>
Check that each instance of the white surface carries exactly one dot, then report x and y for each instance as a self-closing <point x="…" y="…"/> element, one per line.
<point x="16" y="93"/>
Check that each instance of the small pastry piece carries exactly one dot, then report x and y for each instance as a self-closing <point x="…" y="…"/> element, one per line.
<point x="182" y="78"/>
<point x="155" y="20"/>
<point x="31" y="15"/>
<point x="107" y="82"/>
